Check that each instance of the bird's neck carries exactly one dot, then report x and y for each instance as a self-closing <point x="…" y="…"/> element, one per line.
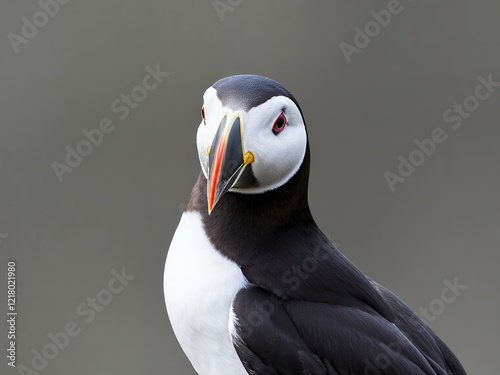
<point x="241" y="223"/>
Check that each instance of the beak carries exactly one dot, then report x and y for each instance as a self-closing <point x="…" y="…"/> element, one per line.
<point x="227" y="159"/>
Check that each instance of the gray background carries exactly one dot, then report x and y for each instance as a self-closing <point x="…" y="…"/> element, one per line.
<point x="120" y="207"/>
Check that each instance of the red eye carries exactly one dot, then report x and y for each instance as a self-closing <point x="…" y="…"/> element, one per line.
<point x="203" y="115"/>
<point x="280" y="124"/>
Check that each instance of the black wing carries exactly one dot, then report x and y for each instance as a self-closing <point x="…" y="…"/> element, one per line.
<point x="431" y="346"/>
<point x="274" y="336"/>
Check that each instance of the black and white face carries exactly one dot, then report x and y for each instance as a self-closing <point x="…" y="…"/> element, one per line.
<point x="249" y="150"/>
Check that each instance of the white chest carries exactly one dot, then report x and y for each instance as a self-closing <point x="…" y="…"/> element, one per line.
<point x="200" y="285"/>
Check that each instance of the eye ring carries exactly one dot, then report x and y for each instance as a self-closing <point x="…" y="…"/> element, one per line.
<point x="203" y="115"/>
<point x="280" y="123"/>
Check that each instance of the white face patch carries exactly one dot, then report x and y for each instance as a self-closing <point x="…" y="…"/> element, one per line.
<point x="276" y="157"/>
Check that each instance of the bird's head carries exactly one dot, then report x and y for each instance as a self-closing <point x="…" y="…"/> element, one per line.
<point x="252" y="136"/>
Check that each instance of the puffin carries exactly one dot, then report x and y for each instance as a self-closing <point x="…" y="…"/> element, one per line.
<point x="251" y="283"/>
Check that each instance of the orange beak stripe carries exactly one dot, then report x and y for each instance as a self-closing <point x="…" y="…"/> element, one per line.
<point x="216" y="167"/>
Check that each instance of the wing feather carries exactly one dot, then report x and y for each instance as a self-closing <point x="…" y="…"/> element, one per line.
<point x="275" y="336"/>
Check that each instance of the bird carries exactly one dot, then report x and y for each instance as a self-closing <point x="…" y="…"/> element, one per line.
<point x="251" y="284"/>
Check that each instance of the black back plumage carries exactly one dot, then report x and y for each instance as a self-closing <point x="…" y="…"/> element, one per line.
<point x="331" y="319"/>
